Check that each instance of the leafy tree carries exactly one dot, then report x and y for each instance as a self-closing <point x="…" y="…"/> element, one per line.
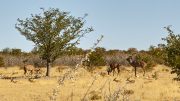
<point x="53" y="33"/>
<point x="15" y="51"/>
<point x="172" y="48"/>
<point x="156" y="51"/>
<point x="6" y="50"/>
<point x="132" y="51"/>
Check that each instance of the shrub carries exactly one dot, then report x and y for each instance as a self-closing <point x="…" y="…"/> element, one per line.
<point x="148" y="59"/>
<point x="158" y="53"/>
<point x="132" y="51"/>
<point x="119" y="58"/>
<point x="173" y="51"/>
<point x="68" y="60"/>
<point x="1" y="62"/>
<point x="16" y="52"/>
<point x="96" y="58"/>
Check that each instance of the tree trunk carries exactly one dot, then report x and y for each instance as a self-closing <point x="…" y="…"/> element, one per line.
<point x="135" y="71"/>
<point x="48" y="66"/>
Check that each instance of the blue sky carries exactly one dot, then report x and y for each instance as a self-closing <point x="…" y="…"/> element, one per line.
<point x="124" y="23"/>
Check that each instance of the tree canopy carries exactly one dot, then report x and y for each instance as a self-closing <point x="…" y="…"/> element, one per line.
<point x="172" y="48"/>
<point x="53" y="32"/>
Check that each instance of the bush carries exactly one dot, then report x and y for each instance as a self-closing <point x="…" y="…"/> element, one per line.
<point x="132" y="51"/>
<point x="148" y="59"/>
<point x="16" y="52"/>
<point x="119" y="58"/>
<point x="68" y="60"/>
<point x="1" y="62"/>
<point x="96" y="58"/>
<point x="173" y="51"/>
<point x="158" y="53"/>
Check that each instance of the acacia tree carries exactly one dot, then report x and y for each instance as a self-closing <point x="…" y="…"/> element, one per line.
<point x="53" y="33"/>
<point x="172" y="48"/>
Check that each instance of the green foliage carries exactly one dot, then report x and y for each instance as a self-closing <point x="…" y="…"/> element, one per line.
<point x="16" y="51"/>
<point x="75" y="51"/>
<point x="148" y="59"/>
<point x="132" y="51"/>
<point x="12" y="51"/>
<point x="6" y="50"/>
<point x="1" y="62"/>
<point x="112" y="52"/>
<point x="53" y="33"/>
<point x="158" y="54"/>
<point x="97" y="57"/>
<point x="172" y="48"/>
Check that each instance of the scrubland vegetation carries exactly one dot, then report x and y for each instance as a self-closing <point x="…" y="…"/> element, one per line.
<point x="97" y="85"/>
<point x="91" y="81"/>
<point x="78" y="74"/>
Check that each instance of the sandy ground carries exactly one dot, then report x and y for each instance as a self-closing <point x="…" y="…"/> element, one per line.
<point x="157" y="85"/>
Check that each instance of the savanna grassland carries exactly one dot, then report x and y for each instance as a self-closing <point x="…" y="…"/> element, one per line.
<point x="157" y="85"/>
<point x="65" y="72"/>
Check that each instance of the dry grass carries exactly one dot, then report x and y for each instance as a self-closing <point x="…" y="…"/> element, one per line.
<point x="148" y="88"/>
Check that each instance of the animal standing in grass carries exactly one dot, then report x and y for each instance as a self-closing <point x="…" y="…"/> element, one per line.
<point x="113" y="67"/>
<point x="135" y="63"/>
<point x="29" y="68"/>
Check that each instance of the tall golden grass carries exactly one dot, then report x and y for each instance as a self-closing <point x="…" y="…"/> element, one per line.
<point x="96" y="85"/>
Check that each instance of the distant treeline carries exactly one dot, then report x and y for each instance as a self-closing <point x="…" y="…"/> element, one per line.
<point x="100" y="56"/>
